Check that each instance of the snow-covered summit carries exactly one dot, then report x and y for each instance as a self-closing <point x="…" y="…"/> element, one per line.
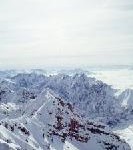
<point x="53" y="124"/>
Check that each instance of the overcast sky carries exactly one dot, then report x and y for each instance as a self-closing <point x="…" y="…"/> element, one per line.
<point x="39" y="33"/>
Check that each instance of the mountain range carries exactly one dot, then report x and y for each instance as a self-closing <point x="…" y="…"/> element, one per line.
<point x="61" y="112"/>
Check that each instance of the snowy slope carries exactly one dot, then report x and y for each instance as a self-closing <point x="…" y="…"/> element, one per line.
<point x="53" y="124"/>
<point x="126" y="134"/>
<point x="126" y="98"/>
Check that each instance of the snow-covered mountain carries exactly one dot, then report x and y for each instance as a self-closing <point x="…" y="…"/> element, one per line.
<point x="126" y="98"/>
<point x="53" y="124"/>
<point x="94" y="99"/>
<point x="40" y="112"/>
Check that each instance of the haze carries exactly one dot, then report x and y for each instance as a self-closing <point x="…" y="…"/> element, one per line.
<point x="40" y="33"/>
